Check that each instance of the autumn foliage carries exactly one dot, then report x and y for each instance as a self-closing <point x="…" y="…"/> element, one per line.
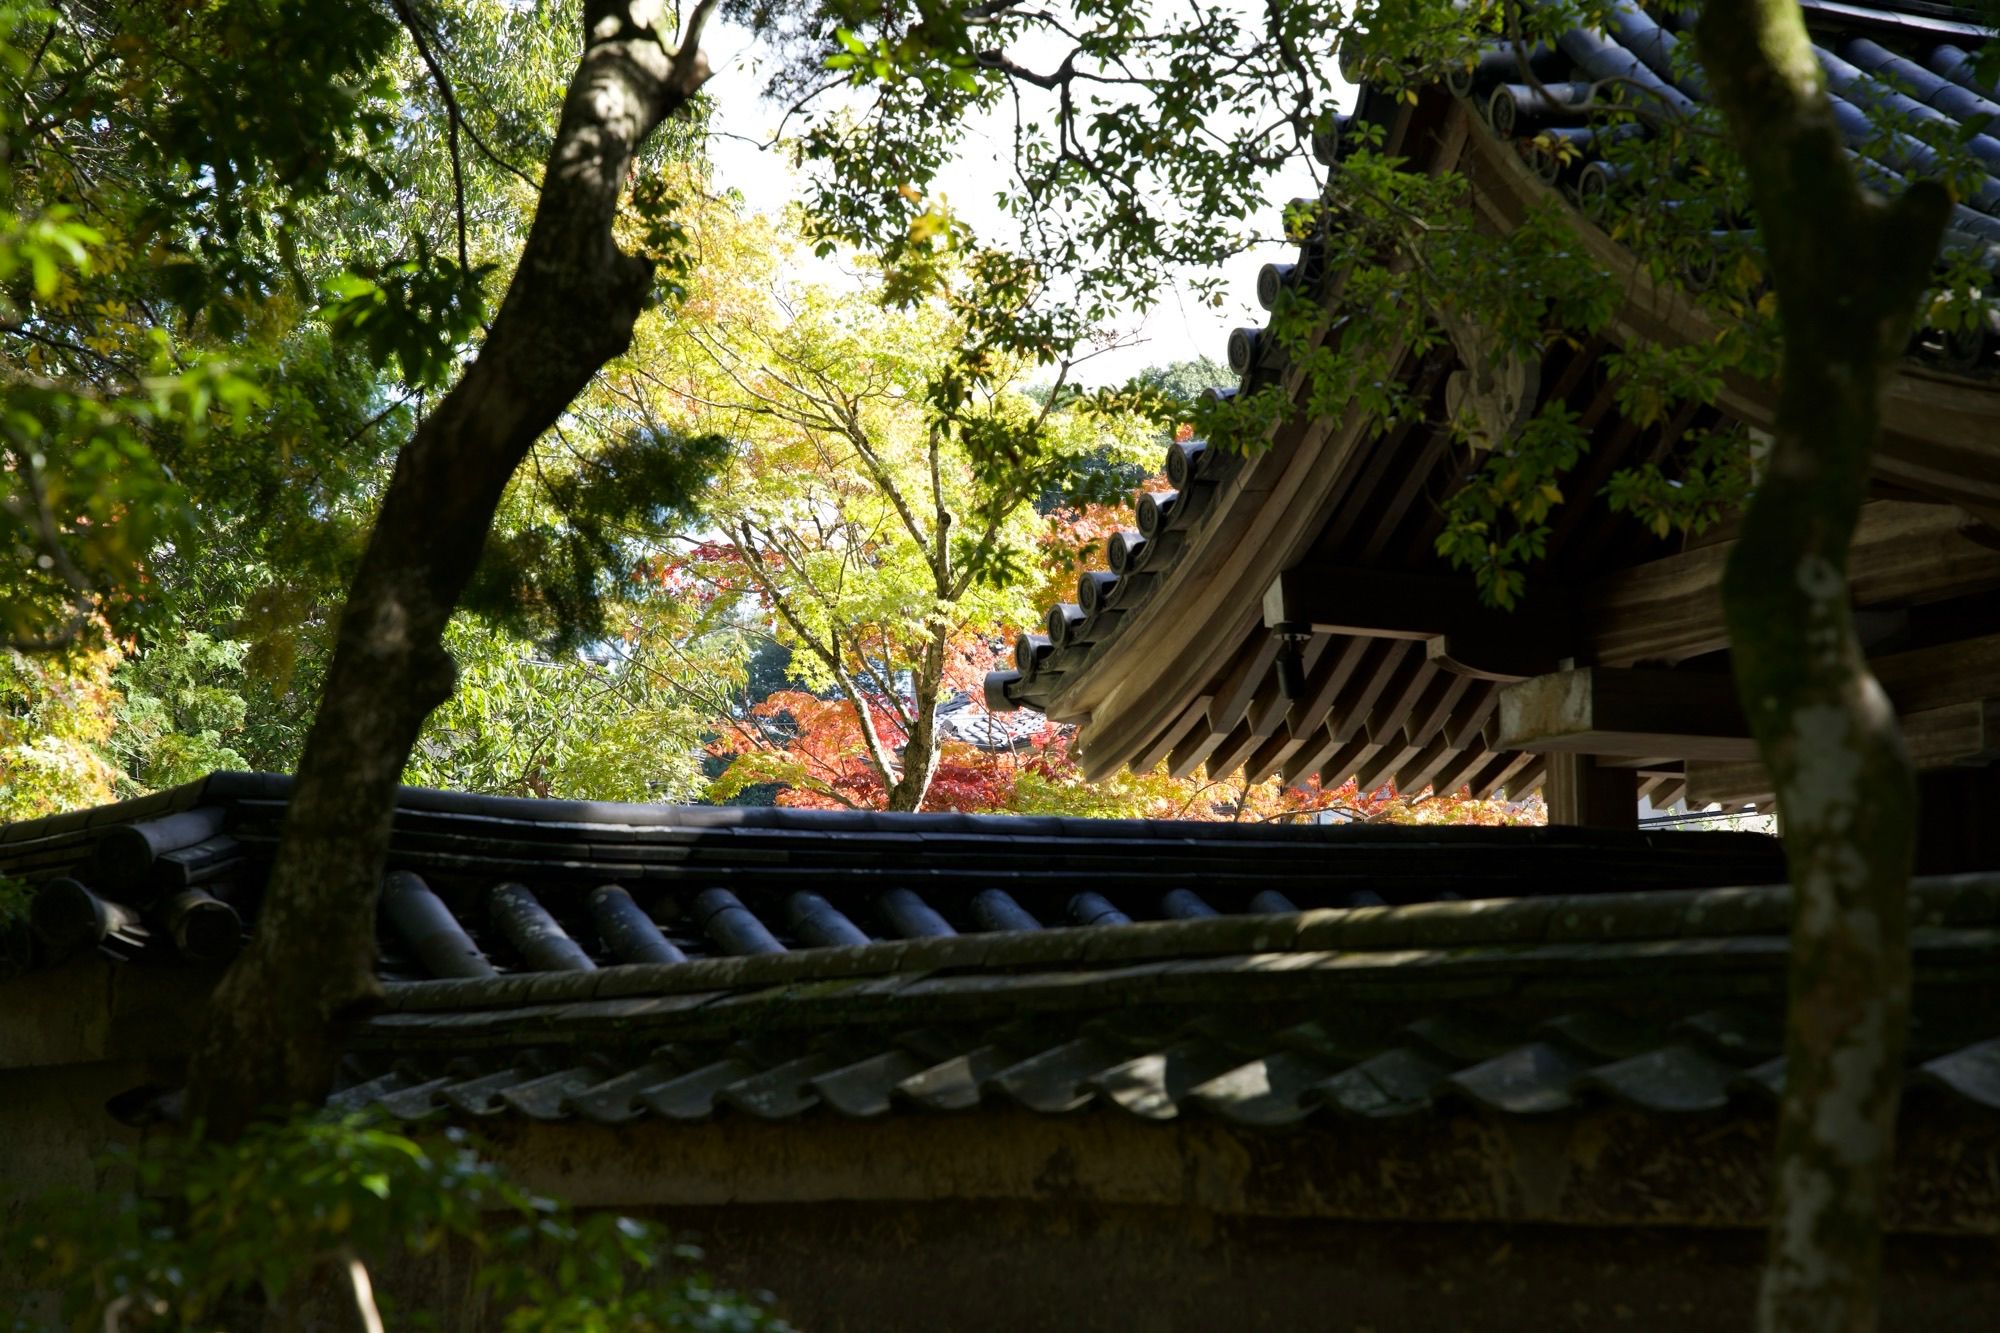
<point x="813" y="748"/>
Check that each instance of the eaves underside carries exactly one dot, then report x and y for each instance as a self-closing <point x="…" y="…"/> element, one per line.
<point x="1182" y="665"/>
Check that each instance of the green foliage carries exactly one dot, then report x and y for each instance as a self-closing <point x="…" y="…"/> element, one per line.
<point x="608" y="727"/>
<point x="184" y="701"/>
<point x="179" y="392"/>
<point x="214" y="338"/>
<point x="1145" y="137"/>
<point x="44" y="247"/>
<point x="207" y="1233"/>
<point x="15" y="897"/>
<point x="568" y="536"/>
<point x="416" y="314"/>
<point x="1498" y="522"/>
<point x="1714" y="476"/>
<point x="56" y="712"/>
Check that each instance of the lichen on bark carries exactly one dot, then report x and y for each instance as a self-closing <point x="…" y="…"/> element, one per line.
<point x="1848" y="269"/>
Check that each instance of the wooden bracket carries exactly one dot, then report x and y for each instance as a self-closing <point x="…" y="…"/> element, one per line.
<point x="1602" y="711"/>
<point x="1444" y="613"/>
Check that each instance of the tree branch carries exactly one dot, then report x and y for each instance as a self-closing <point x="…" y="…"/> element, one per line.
<point x="267" y="1044"/>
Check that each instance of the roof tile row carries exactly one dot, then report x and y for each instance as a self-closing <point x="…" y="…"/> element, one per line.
<point x="1249" y="1074"/>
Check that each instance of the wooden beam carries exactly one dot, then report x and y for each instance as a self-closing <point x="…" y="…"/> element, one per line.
<point x="1465" y="725"/>
<point x="1194" y="748"/>
<point x="1958" y="734"/>
<point x="1948" y="673"/>
<point x="1433" y="711"/>
<point x="1496" y="653"/>
<point x="1314" y="749"/>
<point x="1162" y="745"/>
<point x="1581" y="792"/>
<point x="1234" y="749"/>
<point x="1238" y="686"/>
<point x="1671" y="609"/>
<point x="1604" y="711"/>
<point x="1442" y="611"/>
<point x="1460" y="770"/>
<point x="1271" y="755"/>
<point x="1325" y="680"/>
<point x="1641" y="714"/>
<point x="1339" y="766"/>
<point x="1517" y="773"/>
<point x="1417" y="773"/>
<point x="1384" y="659"/>
<point x="1378" y="768"/>
<point x="1271" y="713"/>
<point x="1269" y="709"/>
<point x="1385" y="724"/>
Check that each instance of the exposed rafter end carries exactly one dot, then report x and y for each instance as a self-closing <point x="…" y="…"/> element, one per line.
<point x="1459" y="633"/>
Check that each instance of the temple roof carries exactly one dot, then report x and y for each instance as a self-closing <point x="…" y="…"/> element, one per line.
<point x="1287" y="609"/>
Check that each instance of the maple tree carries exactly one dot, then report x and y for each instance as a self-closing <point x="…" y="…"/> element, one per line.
<point x="814" y="749"/>
<point x="854" y="519"/>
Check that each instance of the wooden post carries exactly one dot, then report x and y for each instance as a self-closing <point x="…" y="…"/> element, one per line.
<point x="1580" y="791"/>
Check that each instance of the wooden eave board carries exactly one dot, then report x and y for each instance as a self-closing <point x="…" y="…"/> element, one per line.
<point x="1940" y="432"/>
<point x="1190" y="631"/>
<point x="1146" y="691"/>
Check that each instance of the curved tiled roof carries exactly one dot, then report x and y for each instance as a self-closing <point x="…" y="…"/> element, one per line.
<point x="1379" y="709"/>
<point x="556" y="960"/>
<point x="1664" y="1002"/>
<point x="496" y="886"/>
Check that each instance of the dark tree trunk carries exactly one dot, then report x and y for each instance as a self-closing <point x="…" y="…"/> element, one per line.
<point x="1849" y="270"/>
<point x="570" y="308"/>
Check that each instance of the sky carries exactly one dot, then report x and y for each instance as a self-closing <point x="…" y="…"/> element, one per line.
<point x="1178" y="329"/>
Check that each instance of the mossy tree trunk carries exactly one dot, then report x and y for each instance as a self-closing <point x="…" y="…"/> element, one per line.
<point x="268" y="1044"/>
<point x="1849" y="270"/>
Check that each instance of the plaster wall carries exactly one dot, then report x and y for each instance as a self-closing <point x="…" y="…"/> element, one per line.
<point x="993" y="1267"/>
<point x="53" y="1131"/>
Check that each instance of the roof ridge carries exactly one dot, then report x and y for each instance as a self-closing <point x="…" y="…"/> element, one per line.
<point x="1630" y="918"/>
